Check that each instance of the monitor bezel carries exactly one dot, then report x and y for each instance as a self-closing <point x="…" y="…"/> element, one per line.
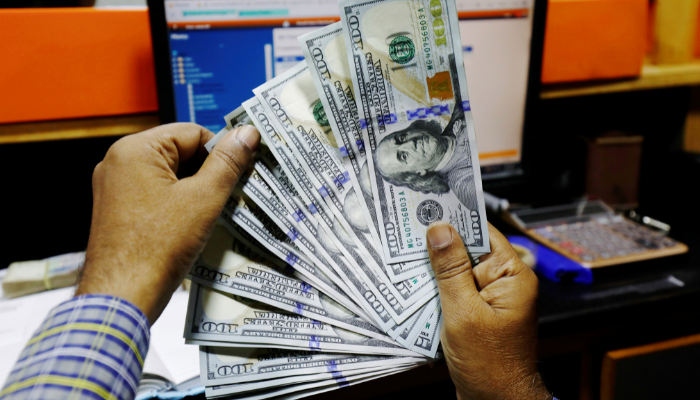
<point x="534" y="85"/>
<point x="161" y="60"/>
<point x="499" y="181"/>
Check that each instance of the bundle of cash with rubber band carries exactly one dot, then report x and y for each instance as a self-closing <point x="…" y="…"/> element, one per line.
<point x="317" y="274"/>
<point x="28" y="277"/>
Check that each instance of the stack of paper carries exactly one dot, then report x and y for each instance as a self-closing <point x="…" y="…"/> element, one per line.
<point x="29" y="277"/>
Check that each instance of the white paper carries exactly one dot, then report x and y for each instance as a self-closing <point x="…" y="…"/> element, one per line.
<point x="26" y="315"/>
<point x="176" y="362"/>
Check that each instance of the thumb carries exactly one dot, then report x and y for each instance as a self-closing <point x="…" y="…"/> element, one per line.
<point x="452" y="268"/>
<point x="228" y="160"/>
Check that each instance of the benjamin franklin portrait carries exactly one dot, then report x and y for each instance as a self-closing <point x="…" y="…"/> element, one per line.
<point x="428" y="159"/>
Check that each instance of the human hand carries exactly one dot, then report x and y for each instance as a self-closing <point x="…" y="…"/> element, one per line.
<point x="489" y="331"/>
<point x="148" y="226"/>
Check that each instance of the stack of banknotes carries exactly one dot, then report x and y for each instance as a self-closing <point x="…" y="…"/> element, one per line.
<point x="317" y="274"/>
<point x="28" y="277"/>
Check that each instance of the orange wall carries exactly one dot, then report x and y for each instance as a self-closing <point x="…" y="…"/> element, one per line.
<point x="83" y="62"/>
<point x="71" y="63"/>
<point x="697" y="38"/>
<point x="594" y="39"/>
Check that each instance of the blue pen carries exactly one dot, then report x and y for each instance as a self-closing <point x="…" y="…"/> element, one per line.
<point x="552" y="265"/>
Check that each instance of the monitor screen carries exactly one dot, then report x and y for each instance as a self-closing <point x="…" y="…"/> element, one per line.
<point x="221" y="49"/>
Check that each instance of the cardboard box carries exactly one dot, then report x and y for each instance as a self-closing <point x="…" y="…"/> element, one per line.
<point x="612" y="169"/>
<point x="594" y="39"/>
<point x="75" y="62"/>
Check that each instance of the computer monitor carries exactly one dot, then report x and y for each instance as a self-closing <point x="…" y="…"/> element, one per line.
<point x="210" y="54"/>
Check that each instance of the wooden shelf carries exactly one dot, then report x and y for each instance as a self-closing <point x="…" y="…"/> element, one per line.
<point x="76" y="128"/>
<point x="653" y="77"/>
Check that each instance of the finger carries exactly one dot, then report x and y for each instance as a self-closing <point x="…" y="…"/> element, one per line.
<point x="227" y="161"/>
<point x="451" y="266"/>
<point x="194" y="163"/>
<point x="502" y="262"/>
<point x="177" y="142"/>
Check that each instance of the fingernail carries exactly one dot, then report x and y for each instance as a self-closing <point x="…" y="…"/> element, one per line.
<point x="250" y="136"/>
<point x="439" y="235"/>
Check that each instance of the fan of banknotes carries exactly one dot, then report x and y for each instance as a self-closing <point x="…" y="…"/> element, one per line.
<point x="316" y="276"/>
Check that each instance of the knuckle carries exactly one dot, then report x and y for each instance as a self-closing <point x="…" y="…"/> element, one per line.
<point x="506" y="256"/>
<point x="532" y="279"/>
<point x="531" y="283"/>
<point x="98" y="171"/>
<point x="235" y="163"/>
<point x="120" y="151"/>
<point x="175" y="126"/>
<point x="176" y="129"/>
<point x="449" y="266"/>
<point x="190" y="125"/>
<point x="98" y="174"/>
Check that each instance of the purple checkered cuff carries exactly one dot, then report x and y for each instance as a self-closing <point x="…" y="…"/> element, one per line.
<point x="92" y="346"/>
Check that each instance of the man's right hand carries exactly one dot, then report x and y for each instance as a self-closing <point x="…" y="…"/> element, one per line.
<point x="489" y="331"/>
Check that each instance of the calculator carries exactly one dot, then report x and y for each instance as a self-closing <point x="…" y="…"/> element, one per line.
<point x="592" y="234"/>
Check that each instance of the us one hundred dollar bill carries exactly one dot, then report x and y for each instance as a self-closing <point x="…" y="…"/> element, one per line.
<point x="227" y="320"/>
<point x="281" y="189"/>
<point x="249" y="231"/>
<point x="308" y="224"/>
<point x="326" y="56"/>
<point x="262" y="197"/>
<point x="311" y="224"/>
<point x="213" y="343"/>
<point x="406" y="332"/>
<point x="319" y="271"/>
<point x="284" y="98"/>
<point x="324" y="377"/>
<point x="228" y="365"/>
<point x="427" y="341"/>
<point x="324" y="389"/>
<point x="413" y="289"/>
<point x="237" y="118"/>
<point x="234" y="119"/>
<point x="408" y="75"/>
<point x="299" y="390"/>
<point x="347" y="267"/>
<point x="241" y="276"/>
<point x="359" y="275"/>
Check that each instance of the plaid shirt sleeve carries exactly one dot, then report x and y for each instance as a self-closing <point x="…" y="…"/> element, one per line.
<point x="91" y="346"/>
